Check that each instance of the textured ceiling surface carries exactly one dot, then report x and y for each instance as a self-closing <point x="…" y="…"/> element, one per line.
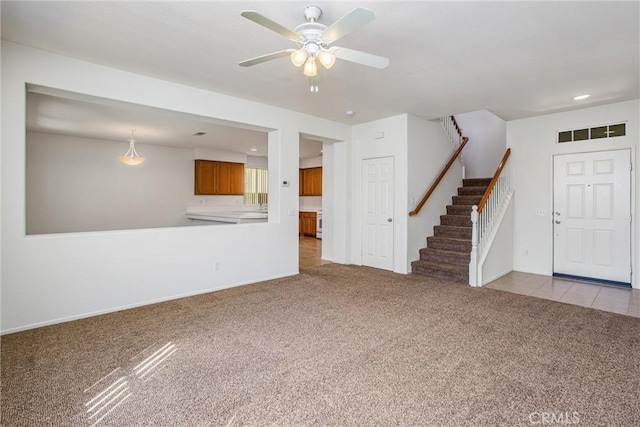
<point x="516" y="59"/>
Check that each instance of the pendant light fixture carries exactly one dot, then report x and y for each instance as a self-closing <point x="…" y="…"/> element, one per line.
<point x="131" y="157"/>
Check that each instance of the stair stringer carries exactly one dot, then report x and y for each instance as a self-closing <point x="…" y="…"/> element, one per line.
<point x="488" y="245"/>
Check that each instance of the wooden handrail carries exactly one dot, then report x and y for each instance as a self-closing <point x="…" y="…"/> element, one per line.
<point x="439" y="178"/>
<point x="492" y="184"/>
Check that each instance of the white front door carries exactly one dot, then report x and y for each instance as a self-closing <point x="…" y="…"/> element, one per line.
<point x="592" y="215"/>
<point x="377" y="230"/>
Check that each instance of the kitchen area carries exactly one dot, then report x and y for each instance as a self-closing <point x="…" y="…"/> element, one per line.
<point x="196" y="172"/>
<point x="220" y="196"/>
<point x="310" y="209"/>
<point x="310" y="193"/>
<point x="222" y="185"/>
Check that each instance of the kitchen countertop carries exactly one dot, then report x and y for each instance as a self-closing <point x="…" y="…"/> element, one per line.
<point x="234" y="217"/>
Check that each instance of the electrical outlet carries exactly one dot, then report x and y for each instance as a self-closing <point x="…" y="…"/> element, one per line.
<point x="216" y="265"/>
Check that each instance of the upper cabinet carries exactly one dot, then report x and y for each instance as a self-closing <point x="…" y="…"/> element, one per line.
<point x="311" y="182"/>
<point x="218" y="178"/>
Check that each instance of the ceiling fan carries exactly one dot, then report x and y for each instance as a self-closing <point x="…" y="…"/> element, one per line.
<point x="314" y="41"/>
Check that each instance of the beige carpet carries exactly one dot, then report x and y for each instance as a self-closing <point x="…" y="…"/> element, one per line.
<point x="336" y="345"/>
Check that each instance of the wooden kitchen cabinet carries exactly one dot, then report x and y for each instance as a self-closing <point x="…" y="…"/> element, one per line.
<point x="301" y="182"/>
<point x="230" y="178"/>
<point x="311" y="182"/>
<point x="218" y="178"/>
<point x="307" y="222"/>
<point x="316" y="176"/>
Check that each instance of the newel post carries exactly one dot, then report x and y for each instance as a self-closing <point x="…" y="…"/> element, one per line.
<point x="473" y="261"/>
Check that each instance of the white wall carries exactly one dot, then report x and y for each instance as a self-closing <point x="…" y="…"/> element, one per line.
<point x="487" y="142"/>
<point x="219" y="155"/>
<point x="428" y="151"/>
<point x="52" y="278"/>
<point x="327" y="201"/>
<point x="311" y="162"/>
<point x="340" y="207"/>
<point x="533" y="144"/>
<point x="381" y="138"/>
<point x="257" y="162"/>
<point x="78" y="184"/>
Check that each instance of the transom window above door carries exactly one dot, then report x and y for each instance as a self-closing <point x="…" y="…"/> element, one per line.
<point x="605" y="131"/>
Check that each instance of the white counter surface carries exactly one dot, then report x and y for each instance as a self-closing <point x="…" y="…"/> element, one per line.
<point x="234" y="217"/>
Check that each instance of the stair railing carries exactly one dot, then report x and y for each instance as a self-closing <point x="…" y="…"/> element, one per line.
<point x="443" y="172"/>
<point x="485" y="216"/>
<point x="453" y="131"/>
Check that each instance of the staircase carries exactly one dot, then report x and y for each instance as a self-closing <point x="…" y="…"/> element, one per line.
<point x="447" y="253"/>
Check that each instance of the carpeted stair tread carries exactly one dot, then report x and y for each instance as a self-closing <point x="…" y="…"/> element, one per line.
<point x="456" y="220"/>
<point x="476" y="182"/>
<point x="443" y="256"/>
<point x="466" y="200"/>
<point x="471" y="191"/>
<point x="448" y="243"/>
<point x="456" y="273"/>
<point x="459" y="209"/>
<point x="453" y="231"/>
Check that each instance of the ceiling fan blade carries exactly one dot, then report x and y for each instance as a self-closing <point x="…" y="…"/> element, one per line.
<point x="348" y="23"/>
<point x="254" y="16"/>
<point x="363" y="58"/>
<point x="264" y="58"/>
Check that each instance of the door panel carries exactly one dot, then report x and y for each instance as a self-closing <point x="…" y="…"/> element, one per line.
<point x="377" y="231"/>
<point x="592" y="215"/>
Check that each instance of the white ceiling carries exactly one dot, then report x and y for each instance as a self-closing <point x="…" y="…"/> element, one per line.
<point x="516" y="59"/>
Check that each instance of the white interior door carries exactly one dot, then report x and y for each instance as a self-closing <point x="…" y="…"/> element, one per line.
<point x="377" y="232"/>
<point x="592" y="215"/>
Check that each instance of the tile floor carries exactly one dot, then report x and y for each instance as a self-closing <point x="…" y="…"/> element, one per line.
<point x="607" y="298"/>
<point x="310" y="252"/>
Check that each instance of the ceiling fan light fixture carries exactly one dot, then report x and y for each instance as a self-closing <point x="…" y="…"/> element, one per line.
<point x="313" y="39"/>
<point x="131" y="158"/>
<point x="299" y="57"/>
<point x="327" y="59"/>
<point x="310" y="67"/>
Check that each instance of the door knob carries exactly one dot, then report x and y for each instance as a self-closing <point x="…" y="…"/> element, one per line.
<point x="389" y="220"/>
<point x="557" y="213"/>
<point x="557" y="222"/>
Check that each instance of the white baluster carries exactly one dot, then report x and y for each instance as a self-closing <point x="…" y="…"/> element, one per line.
<point x="473" y="261"/>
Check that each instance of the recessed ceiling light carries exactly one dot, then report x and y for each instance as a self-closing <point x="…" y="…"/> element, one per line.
<point x="579" y="97"/>
<point x="254" y="149"/>
<point x="350" y="113"/>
